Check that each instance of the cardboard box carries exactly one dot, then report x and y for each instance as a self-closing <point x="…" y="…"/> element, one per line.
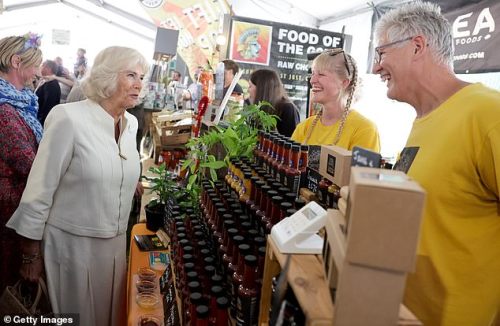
<point x="368" y="296"/>
<point x="334" y="247"/>
<point x="335" y="164"/>
<point x="384" y="214"/>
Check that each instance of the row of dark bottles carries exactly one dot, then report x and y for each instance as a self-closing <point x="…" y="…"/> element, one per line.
<point x="263" y="199"/>
<point x="282" y="158"/>
<point x="240" y="248"/>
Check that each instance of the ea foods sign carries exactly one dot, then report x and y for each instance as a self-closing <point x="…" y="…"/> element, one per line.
<point x="467" y="29"/>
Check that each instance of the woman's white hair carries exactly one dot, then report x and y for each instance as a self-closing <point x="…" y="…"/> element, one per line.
<point x="419" y="18"/>
<point x="102" y="80"/>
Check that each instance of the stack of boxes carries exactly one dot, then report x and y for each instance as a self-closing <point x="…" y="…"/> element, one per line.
<point x="368" y="254"/>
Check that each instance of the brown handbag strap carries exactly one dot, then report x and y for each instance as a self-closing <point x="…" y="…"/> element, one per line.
<point x="41" y="291"/>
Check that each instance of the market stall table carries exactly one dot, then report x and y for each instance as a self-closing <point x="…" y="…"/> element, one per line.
<point x="139" y="259"/>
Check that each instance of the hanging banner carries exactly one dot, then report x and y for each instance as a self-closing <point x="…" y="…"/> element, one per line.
<point x="283" y="47"/>
<point x="476" y="34"/>
<point x="199" y="23"/>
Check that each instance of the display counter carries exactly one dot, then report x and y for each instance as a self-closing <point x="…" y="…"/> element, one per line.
<point x="139" y="259"/>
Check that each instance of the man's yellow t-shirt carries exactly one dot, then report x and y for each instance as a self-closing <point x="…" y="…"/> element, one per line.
<point x="357" y="131"/>
<point x="454" y="153"/>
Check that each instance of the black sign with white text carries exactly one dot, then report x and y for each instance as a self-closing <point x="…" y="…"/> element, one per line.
<point x="476" y="35"/>
<point x="283" y="47"/>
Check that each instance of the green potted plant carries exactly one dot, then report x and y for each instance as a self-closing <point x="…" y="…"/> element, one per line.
<point x="162" y="185"/>
<point x="238" y="139"/>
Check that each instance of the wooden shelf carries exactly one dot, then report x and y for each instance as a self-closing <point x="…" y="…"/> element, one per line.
<point x="307" y="279"/>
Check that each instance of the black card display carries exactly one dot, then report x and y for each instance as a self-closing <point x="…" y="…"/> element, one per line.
<point x="365" y="157"/>
<point x="314" y="156"/>
<point x="313" y="179"/>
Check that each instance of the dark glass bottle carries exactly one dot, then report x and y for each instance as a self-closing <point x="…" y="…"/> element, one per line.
<point x="237" y="277"/>
<point x="202" y="315"/>
<point x="284" y="207"/>
<point x="195" y="299"/>
<point x="278" y="158"/>
<point x="226" y="257"/>
<point x="247" y="304"/>
<point x="275" y="213"/>
<point x="261" y="212"/>
<point x="287" y="147"/>
<point x="266" y="218"/>
<point x="215" y="293"/>
<point x="323" y="191"/>
<point x="222" y="318"/>
<point x="292" y="173"/>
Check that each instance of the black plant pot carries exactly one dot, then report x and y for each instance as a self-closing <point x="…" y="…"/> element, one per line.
<point x="154" y="217"/>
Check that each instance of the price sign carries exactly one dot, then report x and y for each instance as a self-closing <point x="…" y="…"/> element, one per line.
<point x="312" y="180"/>
<point x="366" y="158"/>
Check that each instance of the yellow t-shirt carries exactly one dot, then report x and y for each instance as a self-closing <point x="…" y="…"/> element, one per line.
<point x="357" y="131"/>
<point x="454" y="153"/>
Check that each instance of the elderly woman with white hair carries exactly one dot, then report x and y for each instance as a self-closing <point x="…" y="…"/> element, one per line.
<point x="74" y="212"/>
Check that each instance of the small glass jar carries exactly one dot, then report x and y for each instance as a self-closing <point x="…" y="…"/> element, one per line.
<point x="146" y="273"/>
<point x="150" y="320"/>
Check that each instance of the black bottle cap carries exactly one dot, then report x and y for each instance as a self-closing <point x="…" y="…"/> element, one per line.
<point x="202" y="311"/>
<point x="222" y="302"/>
<point x="251" y="260"/>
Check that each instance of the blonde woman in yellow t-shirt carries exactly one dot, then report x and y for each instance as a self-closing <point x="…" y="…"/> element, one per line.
<point x="334" y="81"/>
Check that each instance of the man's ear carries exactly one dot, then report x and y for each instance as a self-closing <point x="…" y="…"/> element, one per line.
<point x="420" y="45"/>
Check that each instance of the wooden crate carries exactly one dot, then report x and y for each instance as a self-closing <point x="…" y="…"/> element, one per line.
<point x="165" y="124"/>
<point x="174" y="135"/>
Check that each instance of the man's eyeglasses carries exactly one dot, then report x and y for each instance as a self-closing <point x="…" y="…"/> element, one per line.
<point x="333" y="52"/>
<point x="378" y="54"/>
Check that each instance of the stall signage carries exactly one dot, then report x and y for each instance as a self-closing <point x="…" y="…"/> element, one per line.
<point x="476" y="34"/>
<point x="283" y="47"/>
<point x="198" y="22"/>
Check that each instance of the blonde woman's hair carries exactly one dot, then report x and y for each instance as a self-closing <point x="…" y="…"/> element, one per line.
<point x="337" y="61"/>
<point x="102" y="80"/>
<point x="15" y="45"/>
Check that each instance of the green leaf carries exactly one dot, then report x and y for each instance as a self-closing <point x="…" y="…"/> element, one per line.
<point x="186" y="163"/>
<point x="213" y="174"/>
<point x="213" y="165"/>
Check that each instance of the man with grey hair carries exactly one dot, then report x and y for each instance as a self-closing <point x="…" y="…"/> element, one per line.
<point x="453" y="151"/>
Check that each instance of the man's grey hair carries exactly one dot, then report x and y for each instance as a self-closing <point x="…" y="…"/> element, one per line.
<point x="419" y="18"/>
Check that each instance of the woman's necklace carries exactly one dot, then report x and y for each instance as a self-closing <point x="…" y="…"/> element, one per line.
<point x="339" y="131"/>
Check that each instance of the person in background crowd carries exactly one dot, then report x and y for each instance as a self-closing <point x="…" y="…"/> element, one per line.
<point x="76" y="93"/>
<point x="49" y="92"/>
<point x="175" y="90"/>
<point x="192" y="94"/>
<point x="334" y="82"/>
<point x="62" y="75"/>
<point x="230" y="70"/>
<point x="20" y="133"/>
<point x="176" y="79"/>
<point x="61" y="70"/>
<point x="80" y="205"/>
<point x="265" y="85"/>
<point x="453" y="152"/>
<point x="80" y="66"/>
